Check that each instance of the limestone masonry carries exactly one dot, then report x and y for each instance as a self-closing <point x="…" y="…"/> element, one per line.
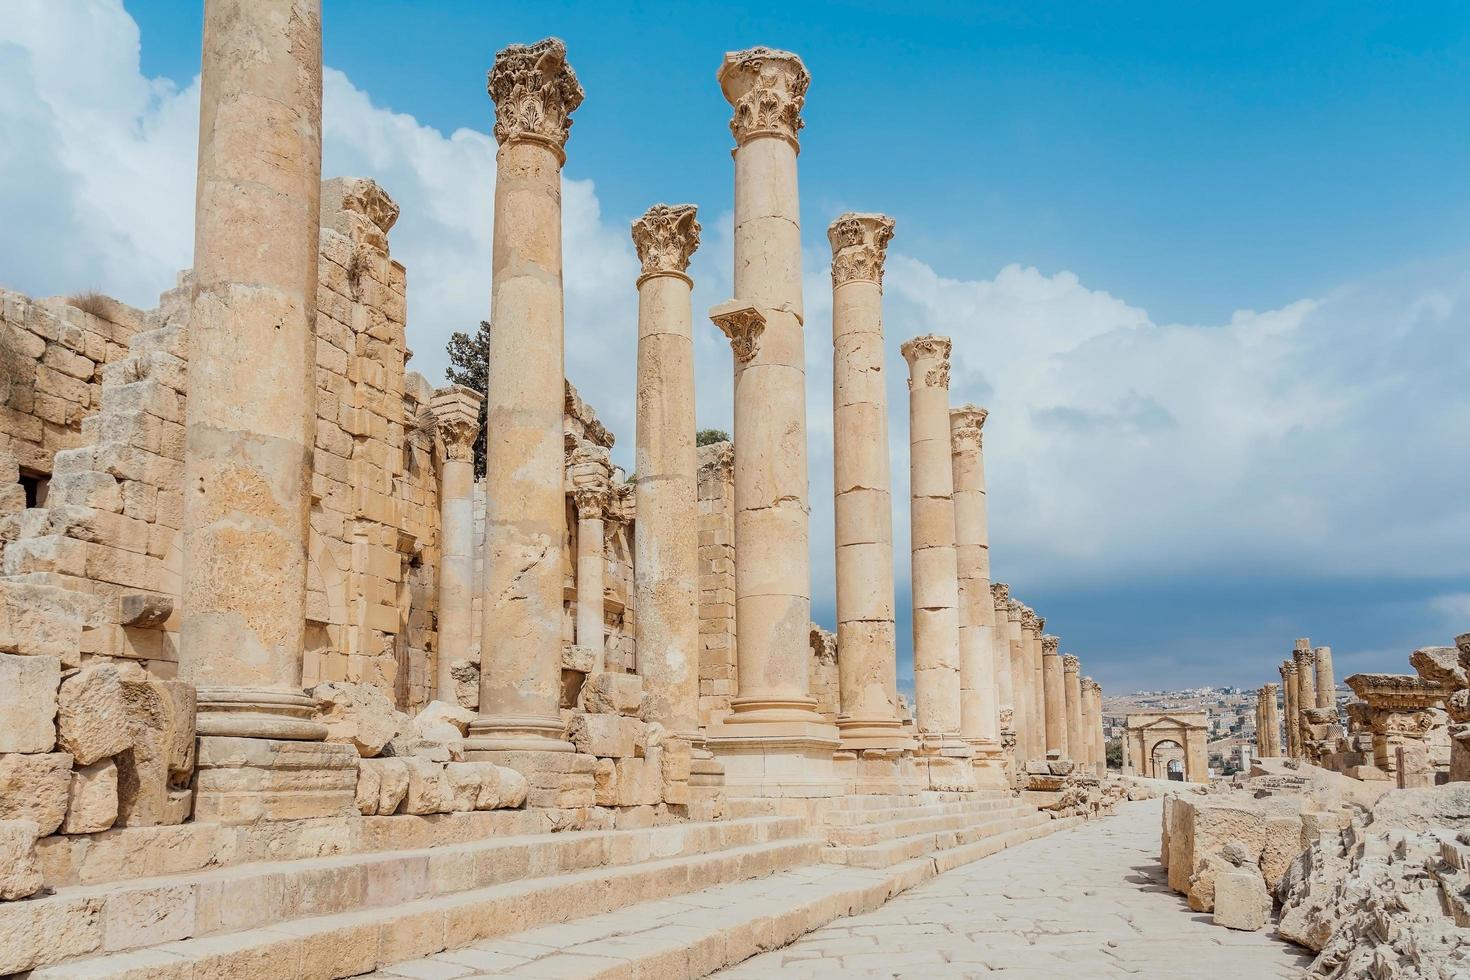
<point x="286" y="692"/>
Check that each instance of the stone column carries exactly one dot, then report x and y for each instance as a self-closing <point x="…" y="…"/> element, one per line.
<point x="1055" y="690"/>
<point x="1001" y="658"/>
<point x="1031" y="630"/>
<point x="251" y="413"/>
<point x="1306" y="687"/>
<point x="589" y="472"/>
<point x="935" y="581"/>
<point x="863" y="528"/>
<point x="1326" y="684"/>
<point x="535" y="92"/>
<point x="457" y="411"/>
<point x="1292" y="722"/>
<point x="1072" y="694"/>
<point x="1024" y="705"/>
<point x="774" y="737"/>
<point x="666" y="559"/>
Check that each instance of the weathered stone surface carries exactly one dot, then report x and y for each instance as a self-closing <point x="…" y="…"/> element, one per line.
<point x="428" y="791"/>
<point x="91" y="799"/>
<point x="34" y="787"/>
<point x="612" y="694"/>
<point x="466" y="677"/>
<point x="462" y="783"/>
<point x="580" y="659"/>
<point x="28" y="702"/>
<point x="1201" y="827"/>
<point x="359" y="715"/>
<point x="1446" y="806"/>
<point x="368" y="786"/>
<point x="442" y="722"/>
<point x="153" y="775"/>
<point x="91" y="717"/>
<point x="606" y="736"/>
<point x="1241" y="900"/>
<point x="391" y="781"/>
<point x="20" y="869"/>
<point x="1440" y="665"/>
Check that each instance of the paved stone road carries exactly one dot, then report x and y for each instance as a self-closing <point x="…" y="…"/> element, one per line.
<point x="1090" y="902"/>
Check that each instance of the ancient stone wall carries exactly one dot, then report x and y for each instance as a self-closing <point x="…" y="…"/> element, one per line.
<point x="716" y="581"/>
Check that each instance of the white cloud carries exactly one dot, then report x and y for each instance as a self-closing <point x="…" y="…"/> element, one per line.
<point x="1326" y="438"/>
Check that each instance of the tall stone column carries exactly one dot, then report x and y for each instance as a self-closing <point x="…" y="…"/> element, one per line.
<point x="1292" y="721"/>
<point x="774" y="740"/>
<point x="535" y="92"/>
<point x="863" y="528"/>
<point x="1273" y="719"/>
<point x="1032" y="626"/>
<point x="666" y="560"/>
<point x="1306" y="687"/>
<point x="1077" y="747"/>
<point x="935" y="581"/>
<point x="250" y="418"/>
<point x="457" y="412"/>
<point x="979" y="710"/>
<point x="1055" y="691"/>
<point x="590" y="473"/>
<point x="1024" y="706"/>
<point x="1001" y="658"/>
<point x="1326" y="684"/>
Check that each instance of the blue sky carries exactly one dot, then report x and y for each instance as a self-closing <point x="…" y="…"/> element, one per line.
<point x="1207" y="265"/>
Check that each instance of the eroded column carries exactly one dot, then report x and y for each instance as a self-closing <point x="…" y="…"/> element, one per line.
<point x="1032" y="626"/>
<point x="1024" y="705"/>
<point x="1004" y="681"/>
<point x="935" y="581"/>
<point x="1055" y="691"/>
<point x="773" y="737"/>
<point x="1326" y="684"/>
<point x="1306" y="690"/>
<point x="1273" y="721"/>
<point x="457" y="411"/>
<point x="251" y="413"/>
<point x="590" y="473"/>
<point x="979" y="710"/>
<point x="1292" y="721"/>
<point x="535" y="92"/>
<point x="666" y="561"/>
<point x="1072" y="694"/>
<point x="863" y="525"/>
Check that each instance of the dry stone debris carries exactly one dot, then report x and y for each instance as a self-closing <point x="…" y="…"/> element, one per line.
<point x="359" y="715"/>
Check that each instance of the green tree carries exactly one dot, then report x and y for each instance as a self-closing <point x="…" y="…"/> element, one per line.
<point x="469" y="365"/>
<point x="1114" y="754"/>
<point x="708" y="437"/>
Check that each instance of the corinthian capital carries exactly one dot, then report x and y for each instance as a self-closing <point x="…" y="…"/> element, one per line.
<point x="742" y="324"/>
<point x="1029" y="620"/>
<point x="591" y="501"/>
<point x="1050" y="643"/>
<point x="535" y="93"/>
<point x="1015" y="612"/>
<point x="928" y="358"/>
<point x="456" y="411"/>
<point x="665" y="237"/>
<point x="767" y="89"/>
<point x="1071" y="664"/>
<point x="966" y="424"/>
<point x="1000" y="594"/>
<point x="859" y="246"/>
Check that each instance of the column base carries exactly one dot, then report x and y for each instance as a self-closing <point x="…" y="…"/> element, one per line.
<point x="517" y="733"/>
<point x="989" y="764"/>
<point x="249" y="780"/>
<point x="249" y="712"/>
<point x="945" y="761"/>
<point x="879" y="772"/>
<point x="863" y="734"/>
<point x="780" y="758"/>
<point x="559" y="779"/>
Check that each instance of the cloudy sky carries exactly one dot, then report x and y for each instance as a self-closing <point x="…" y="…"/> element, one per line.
<point x="1209" y="271"/>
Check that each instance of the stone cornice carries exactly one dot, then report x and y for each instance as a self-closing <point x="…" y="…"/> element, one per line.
<point x="666" y="237"/>
<point x="535" y="93"/>
<point x="767" y="89"/>
<point x="859" y="247"/>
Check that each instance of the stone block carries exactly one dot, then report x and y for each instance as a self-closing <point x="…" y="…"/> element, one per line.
<point x="466" y="674"/>
<point x="428" y="792"/>
<point x="359" y="715"/>
<point x="605" y="736"/>
<point x="247" y="780"/>
<point x="20" y="868"/>
<point x="639" y="781"/>
<point x="1241" y="900"/>
<point x="462" y="785"/>
<point x="153" y="774"/>
<point x="368" y="786"/>
<point x="91" y="799"/>
<point x="28" y="703"/>
<point x="612" y="694"/>
<point x="34" y="787"/>
<point x="582" y="660"/>
<point x="91" y="717"/>
<point x="391" y="777"/>
<point x="443" y="722"/>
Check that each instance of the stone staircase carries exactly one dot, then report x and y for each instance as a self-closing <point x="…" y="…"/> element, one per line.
<point x="680" y="900"/>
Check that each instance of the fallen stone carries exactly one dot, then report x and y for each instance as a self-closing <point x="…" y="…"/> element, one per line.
<point x="427" y="790"/>
<point x="368" y="786"/>
<point x="392" y="782"/>
<point x="20" y="868"/>
<point x="1241" y="899"/>
<point x="34" y="787"/>
<point x="582" y="660"/>
<point x="91" y="799"/>
<point x="610" y="693"/>
<point x="92" y="717"/>
<point x="154" y="773"/>
<point x="28" y="702"/>
<point x="1446" y="806"/>
<point x="606" y="736"/>
<point x="359" y="715"/>
<point x="462" y="786"/>
<point x="442" y="722"/>
<point x="466" y="675"/>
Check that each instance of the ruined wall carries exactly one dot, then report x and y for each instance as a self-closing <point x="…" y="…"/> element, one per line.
<point x="716" y="581"/>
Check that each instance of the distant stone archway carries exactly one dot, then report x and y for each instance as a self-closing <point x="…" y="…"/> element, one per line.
<point x="1166" y="760"/>
<point x="1168" y="745"/>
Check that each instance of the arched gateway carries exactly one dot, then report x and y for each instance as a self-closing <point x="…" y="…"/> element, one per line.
<point x="1168" y="745"/>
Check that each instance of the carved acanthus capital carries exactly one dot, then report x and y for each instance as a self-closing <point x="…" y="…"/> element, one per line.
<point x="592" y="502"/>
<point x="742" y="324"/>
<point x="1029" y="620"/>
<point x="1050" y="643"/>
<point x="1040" y="624"/>
<point x="535" y="93"/>
<point x="928" y="358"/>
<point x="767" y="89"/>
<point x="589" y="475"/>
<point x="1288" y="669"/>
<point x="966" y="426"/>
<point x="1000" y="594"/>
<point x="1070" y="664"/>
<point x="859" y="246"/>
<point x="665" y="237"/>
<point x="1015" y="612"/>
<point x="456" y="411"/>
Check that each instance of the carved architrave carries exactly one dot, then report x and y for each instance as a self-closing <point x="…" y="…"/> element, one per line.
<point x="743" y="326"/>
<point x="859" y="247"/>
<point x="666" y="237"/>
<point x="535" y="93"/>
<point x="767" y="89"/>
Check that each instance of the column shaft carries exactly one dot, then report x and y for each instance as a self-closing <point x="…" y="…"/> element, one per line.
<point x="1024" y="706"/>
<point x="666" y="545"/>
<point x="535" y="91"/>
<point x="979" y="708"/>
<point x="1072" y="692"/>
<point x="1293" y="719"/>
<point x="1001" y="658"/>
<point x="863" y="530"/>
<point x="1031" y="626"/>
<point x="1053" y="677"/>
<point x="1326" y="684"/>
<point x="1306" y="687"/>
<point x="590" y="564"/>
<point x="251" y="413"/>
<point x="457" y="411"/>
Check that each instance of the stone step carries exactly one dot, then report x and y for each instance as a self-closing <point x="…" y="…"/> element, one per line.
<point x="141" y="912"/>
<point x="897" y="850"/>
<point x="880" y="801"/>
<point x="920" y="822"/>
<point x="697" y="934"/>
<point x="857" y="818"/>
<point x="361" y="940"/>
